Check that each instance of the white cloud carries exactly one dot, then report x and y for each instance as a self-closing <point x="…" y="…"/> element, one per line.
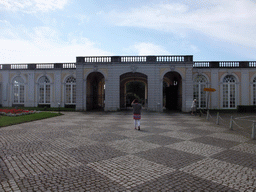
<point x="31" y="6"/>
<point x="231" y="21"/>
<point x="45" y="46"/>
<point x="144" y="48"/>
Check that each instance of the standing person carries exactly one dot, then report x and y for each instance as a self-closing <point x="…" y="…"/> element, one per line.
<point x="136" y="113"/>
<point x="193" y="107"/>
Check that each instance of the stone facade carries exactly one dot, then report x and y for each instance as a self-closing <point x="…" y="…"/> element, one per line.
<point x="99" y="82"/>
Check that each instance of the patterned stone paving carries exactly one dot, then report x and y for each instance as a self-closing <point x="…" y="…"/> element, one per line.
<point x="245" y="147"/>
<point x="132" y="145"/>
<point x="130" y="170"/>
<point x="102" y="152"/>
<point x="229" y="137"/>
<point x="227" y="174"/>
<point x="196" y="148"/>
<point x="181" y="135"/>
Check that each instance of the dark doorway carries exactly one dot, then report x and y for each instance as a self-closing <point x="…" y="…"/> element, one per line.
<point x="135" y="90"/>
<point x="95" y="91"/>
<point x="133" y="85"/>
<point x="172" y="91"/>
<point x="171" y="97"/>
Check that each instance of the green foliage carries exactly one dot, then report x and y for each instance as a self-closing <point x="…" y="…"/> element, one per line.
<point x="7" y="121"/>
<point x="42" y="108"/>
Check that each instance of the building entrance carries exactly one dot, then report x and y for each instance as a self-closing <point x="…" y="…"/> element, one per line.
<point x="133" y="85"/>
<point x="172" y="91"/>
<point x="95" y="91"/>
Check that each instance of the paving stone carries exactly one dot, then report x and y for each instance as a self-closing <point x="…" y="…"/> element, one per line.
<point x="101" y="151"/>
<point x="196" y="148"/>
<point x="237" y="157"/>
<point x="170" y="157"/>
<point x="159" y="139"/>
<point x="224" y="173"/>
<point x="132" y="145"/>
<point x="216" y="142"/>
<point x="180" y="135"/>
<point x="17" y="148"/>
<point x="197" y="131"/>
<point x="180" y="181"/>
<point x="92" y="153"/>
<point x="105" y="137"/>
<point x="35" y="163"/>
<point x="153" y="130"/>
<point x="210" y="127"/>
<point x="229" y="137"/>
<point x="173" y="126"/>
<point x="81" y="178"/>
<point x="130" y="170"/>
<point x="245" y="147"/>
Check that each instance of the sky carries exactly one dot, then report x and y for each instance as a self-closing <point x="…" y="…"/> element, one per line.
<point x="55" y="31"/>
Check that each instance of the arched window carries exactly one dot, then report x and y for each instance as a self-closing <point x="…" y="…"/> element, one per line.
<point x="200" y="82"/>
<point x="18" y="90"/>
<point x="44" y="90"/>
<point x="70" y="90"/>
<point x="229" y="92"/>
<point x="254" y="91"/>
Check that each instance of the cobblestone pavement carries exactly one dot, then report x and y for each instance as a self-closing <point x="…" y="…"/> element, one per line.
<point x="102" y="152"/>
<point x="242" y="122"/>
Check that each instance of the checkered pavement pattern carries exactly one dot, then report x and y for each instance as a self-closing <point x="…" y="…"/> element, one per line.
<point x="103" y="152"/>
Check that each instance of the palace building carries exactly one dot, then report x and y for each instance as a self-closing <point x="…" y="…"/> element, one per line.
<point x="110" y="83"/>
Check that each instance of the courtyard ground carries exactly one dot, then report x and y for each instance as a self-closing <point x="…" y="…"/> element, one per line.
<point x="102" y="152"/>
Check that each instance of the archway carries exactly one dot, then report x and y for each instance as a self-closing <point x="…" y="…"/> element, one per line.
<point x="133" y="85"/>
<point x="172" y="91"/>
<point x="95" y="90"/>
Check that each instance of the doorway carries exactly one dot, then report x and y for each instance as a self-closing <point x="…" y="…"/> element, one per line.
<point x="172" y="91"/>
<point x="133" y="86"/>
<point x="95" y="90"/>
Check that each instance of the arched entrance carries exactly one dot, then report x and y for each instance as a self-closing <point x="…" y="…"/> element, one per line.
<point x="172" y="91"/>
<point x="95" y="90"/>
<point x="133" y="85"/>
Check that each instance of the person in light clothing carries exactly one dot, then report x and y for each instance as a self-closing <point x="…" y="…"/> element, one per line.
<point x="193" y="107"/>
<point x="136" y="113"/>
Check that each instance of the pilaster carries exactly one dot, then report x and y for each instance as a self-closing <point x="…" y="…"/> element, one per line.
<point x="57" y="85"/>
<point x="31" y="90"/>
<point x="187" y="90"/>
<point x="112" y="89"/>
<point x="245" y="87"/>
<point x="5" y="89"/>
<point x="215" y="103"/>
<point x="80" y="88"/>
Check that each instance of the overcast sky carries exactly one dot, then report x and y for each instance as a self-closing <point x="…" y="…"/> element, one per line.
<point x="50" y="31"/>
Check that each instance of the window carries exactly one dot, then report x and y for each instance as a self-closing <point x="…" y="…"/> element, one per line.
<point x="229" y="92"/>
<point x="199" y="94"/>
<point x="18" y="90"/>
<point x="44" y="90"/>
<point x="70" y="90"/>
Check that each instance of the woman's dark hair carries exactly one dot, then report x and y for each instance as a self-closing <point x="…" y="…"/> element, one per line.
<point x="136" y="101"/>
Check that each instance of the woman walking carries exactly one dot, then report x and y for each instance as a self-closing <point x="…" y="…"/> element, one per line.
<point x="193" y="107"/>
<point x="136" y="113"/>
